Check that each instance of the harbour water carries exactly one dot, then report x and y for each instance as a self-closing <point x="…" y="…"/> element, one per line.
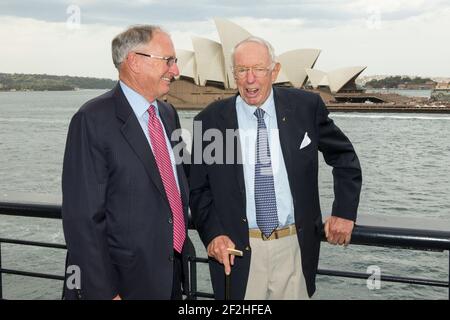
<point x="405" y="175"/>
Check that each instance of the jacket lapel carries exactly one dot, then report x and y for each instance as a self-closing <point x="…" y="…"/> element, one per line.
<point x="288" y="129"/>
<point x="166" y="119"/>
<point x="229" y="121"/>
<point x="132" y="132"/>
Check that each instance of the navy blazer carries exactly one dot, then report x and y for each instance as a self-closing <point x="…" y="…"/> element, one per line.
<point x="218" y="190"/>
<point x="116" y="217"/>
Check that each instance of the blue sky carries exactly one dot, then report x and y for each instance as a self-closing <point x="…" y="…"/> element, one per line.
<point x="407" y="37"/>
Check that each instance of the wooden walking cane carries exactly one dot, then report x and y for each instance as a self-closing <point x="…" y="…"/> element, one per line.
<point x="233" y="252"/>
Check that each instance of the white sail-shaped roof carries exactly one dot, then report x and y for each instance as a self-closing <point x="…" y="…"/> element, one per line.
<point x="210" y="60"/>
<point x="230" y="35"/>
<point x="282" y="77"/>
<point x="340" y="77"/>
<point x="317" y="77"/>
<point x="187" y="64"/>
<point x="294" y="63"/>
<point x="335" y="79"/>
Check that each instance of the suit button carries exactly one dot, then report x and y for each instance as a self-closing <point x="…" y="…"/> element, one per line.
<point x="170" y="220"/>
<point x="242" y="191"/>
<point x="247" y="248"/>
<point x="171" y="258"/>
<point x="244" y="220"/>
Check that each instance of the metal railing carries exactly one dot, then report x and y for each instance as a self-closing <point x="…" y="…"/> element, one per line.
<point x="403" y="238"/>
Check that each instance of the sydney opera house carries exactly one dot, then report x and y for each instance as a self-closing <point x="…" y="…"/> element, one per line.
<point x="206" y="74"/>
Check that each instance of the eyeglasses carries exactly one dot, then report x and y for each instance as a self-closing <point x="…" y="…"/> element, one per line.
<point x="258" y="72"/>
<point x="169" y="60"/>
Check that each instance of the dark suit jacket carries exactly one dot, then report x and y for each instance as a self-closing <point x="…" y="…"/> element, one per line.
<point x="218" y="190"/>
<point x="116" y="217"/>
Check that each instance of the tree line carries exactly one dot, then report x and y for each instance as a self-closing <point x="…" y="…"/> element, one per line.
<point x="43" y="82"/>
<point x="395" y="81"/>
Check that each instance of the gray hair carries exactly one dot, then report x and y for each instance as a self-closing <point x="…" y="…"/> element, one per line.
<point x="130" y="39"/>
<point x="259" y="40"/>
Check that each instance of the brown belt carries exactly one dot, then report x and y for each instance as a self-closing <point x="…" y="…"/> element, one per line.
<point x="277" y="234"/>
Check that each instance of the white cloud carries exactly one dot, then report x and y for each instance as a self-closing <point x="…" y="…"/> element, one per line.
<point x="416" y="44"/>
<point x="385" y="5"/>
<point x="182" y="32"/>
<point x="35" y="46"/>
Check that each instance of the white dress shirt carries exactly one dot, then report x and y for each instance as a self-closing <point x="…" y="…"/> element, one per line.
<point x="248" y="128"/>
<point x="140" y="107"/>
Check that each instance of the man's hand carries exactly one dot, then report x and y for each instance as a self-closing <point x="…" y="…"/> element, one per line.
<point x="338" y="230"/>
<point x="217" y="249"/>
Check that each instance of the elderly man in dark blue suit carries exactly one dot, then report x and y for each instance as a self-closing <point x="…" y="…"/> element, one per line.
<point x="125" y="197"/>
<point x="265" y="201"/>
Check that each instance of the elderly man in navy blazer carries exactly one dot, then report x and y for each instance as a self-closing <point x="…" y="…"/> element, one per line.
<point x="265" y="201"/>
<point x="125" y="197"/>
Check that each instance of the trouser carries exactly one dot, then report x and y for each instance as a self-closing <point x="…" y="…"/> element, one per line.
<point x="276" y="270"/>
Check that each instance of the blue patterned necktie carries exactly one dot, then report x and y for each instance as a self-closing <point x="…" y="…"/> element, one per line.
<point x="265" y="201"/>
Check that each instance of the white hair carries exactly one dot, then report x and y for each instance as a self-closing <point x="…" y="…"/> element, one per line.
<point x="130" y="39"/>
<point x="259" y="40"/>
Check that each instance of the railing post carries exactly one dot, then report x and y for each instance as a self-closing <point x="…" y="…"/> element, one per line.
<point x="192" y="278"/>
<point x="1" y="273"/>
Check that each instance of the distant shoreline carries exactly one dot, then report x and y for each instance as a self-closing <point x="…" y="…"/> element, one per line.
<point x="44" y="82"/>
<point x="336" y="107"/>
<point x="332" y="107"/>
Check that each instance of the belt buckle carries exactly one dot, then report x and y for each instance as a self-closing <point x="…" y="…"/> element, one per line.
<point x="274" y="233"/>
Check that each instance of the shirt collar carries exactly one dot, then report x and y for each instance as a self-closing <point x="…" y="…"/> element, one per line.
<point x="137" y="102"/>
<point x="268" y="106"/>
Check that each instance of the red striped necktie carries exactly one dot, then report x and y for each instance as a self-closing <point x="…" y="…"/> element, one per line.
<point x="166" y="172"/>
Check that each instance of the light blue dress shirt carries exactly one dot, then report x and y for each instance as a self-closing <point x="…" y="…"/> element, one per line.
<point x="248" y="128"/>
<point x="140" y="106"/>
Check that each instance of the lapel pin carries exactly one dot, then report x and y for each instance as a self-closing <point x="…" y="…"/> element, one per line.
<point x="284" y="119"/>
